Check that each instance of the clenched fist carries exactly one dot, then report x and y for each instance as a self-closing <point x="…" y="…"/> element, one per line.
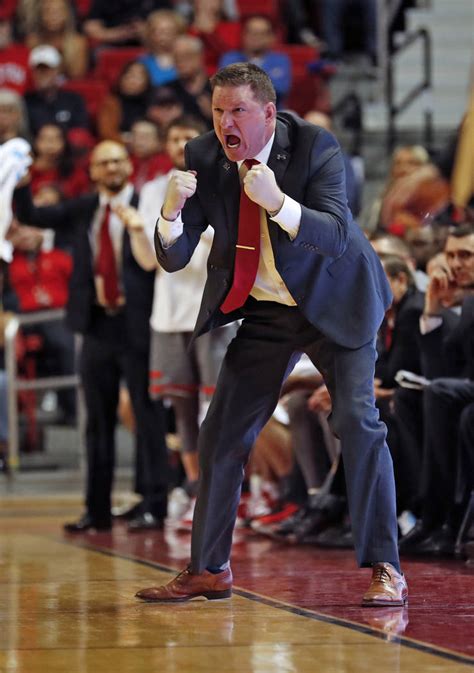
<point x="181" y="186"/>
<point x="260" y="186"/>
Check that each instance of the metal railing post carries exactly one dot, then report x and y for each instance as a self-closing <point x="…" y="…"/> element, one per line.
<point x="428" y="103"/>
<point x="11" y="332"/>
<point x="391" y="133"/>
<point x="15" y="385"/>
<point x="424" y="88"/>
<point x="382" y="43"/>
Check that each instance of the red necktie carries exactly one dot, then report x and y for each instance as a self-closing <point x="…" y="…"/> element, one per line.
<point x="106" y="266"/>
<point x="248" y="250"/>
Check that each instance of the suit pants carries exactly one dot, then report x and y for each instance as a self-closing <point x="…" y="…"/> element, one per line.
<point x="265" y="350"/>
<point x="444" y="402"/>
<point x="106" y="358"/>
<point x="407" y="419"/>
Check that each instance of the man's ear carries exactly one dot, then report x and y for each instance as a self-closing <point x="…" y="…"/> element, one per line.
<point x="92" y="173"/>
<point x="129" y="168"/>
<point x="270" y="112"/>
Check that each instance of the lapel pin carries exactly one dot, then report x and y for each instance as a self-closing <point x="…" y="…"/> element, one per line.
<point x="226" y="166"/>
<point x="281" y="157"/>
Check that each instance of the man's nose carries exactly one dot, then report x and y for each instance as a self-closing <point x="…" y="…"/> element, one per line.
<point x="227" y="120"/>
<point x="455" y="263"/>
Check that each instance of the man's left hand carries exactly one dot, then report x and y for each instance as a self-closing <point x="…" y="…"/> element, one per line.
<point x="260" y="186"/>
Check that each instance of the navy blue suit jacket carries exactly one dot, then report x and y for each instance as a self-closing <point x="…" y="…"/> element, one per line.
<point x="330" y="268"/>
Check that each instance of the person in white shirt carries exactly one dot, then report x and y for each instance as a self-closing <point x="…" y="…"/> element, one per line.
<point x="186" y="375"/>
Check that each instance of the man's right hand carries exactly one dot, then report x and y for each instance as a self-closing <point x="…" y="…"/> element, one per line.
<point x="181" y="186"/>
<point x="439" y="291"/>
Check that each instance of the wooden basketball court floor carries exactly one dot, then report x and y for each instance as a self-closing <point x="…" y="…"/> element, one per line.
<point x="67" y="605"/>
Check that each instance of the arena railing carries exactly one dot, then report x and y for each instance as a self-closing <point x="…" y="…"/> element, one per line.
<point x="423" y="88"/>
<point x="16" y="384"/>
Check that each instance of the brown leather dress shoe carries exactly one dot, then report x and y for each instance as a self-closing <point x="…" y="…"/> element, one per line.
<point x="186" y="586"/>
<point x="387" y="587"/>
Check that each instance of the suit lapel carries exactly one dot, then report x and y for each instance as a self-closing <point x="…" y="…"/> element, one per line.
<point x="229" y="190"/>
<point x="280" y="155"/>
<point x="278" y="161"/>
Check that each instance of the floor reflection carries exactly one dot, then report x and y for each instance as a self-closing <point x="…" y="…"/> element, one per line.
<point x="67" y="608"/>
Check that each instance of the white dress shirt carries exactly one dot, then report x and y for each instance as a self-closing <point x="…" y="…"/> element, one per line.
<point x="116" y="229"/>
<point x="269" y="285"/>
<point x="177" y="296"/>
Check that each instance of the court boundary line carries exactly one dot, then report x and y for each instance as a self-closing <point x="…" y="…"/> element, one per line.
<point x="365" y="629"/>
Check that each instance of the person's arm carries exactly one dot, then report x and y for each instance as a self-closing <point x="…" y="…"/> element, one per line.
<point x="325" y="218"/>
<point x="323" y="225"/>
<point x="95" y="29"/>
<point x="46" y="217"/>
<point x="76" y="55"/>
<point x="142" y="249"/>
<point x="182" y="220"/>
<point x="109" y="116"/>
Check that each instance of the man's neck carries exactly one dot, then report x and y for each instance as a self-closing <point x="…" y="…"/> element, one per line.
<point x="48" y="93"/>
<point x="109" y="194"/>
<point x="259" y="53"/>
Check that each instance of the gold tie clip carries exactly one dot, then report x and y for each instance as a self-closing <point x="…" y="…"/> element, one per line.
<point x="245" y="247"/>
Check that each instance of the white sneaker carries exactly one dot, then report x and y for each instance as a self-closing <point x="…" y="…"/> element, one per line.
<point x="178" y="503"/>
<point x="186" y="522"/>
<point x="406" y="521"/>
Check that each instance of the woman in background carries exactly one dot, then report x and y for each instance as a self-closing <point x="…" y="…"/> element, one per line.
<point x="52" y="22"/>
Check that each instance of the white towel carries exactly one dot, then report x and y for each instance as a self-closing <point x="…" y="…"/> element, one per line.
<point x="15" y="157"/>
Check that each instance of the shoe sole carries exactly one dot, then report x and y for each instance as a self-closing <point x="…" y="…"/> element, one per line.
<point x="210" y="595"/>
<point x="384" y="604"/>
<point x="93" y="529"/>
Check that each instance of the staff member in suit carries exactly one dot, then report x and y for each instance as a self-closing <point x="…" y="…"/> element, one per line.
<point x="110" y="302"/>
<point x="292" y="264"/>
<point x="447" y="348"/>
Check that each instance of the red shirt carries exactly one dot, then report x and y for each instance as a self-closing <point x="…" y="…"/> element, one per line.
<point x="14" y="71"/>
<point x="41" y="280"/>
<point x="71" y="186"/>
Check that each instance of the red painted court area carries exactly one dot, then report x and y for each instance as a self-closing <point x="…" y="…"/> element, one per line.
<point x="439" y="615"/>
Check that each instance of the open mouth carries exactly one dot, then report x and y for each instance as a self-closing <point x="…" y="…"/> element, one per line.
<point x="232" y="142"/>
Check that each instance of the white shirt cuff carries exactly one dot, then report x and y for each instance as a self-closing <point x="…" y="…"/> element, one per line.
<point x="289" y="216"/>
<point x="428" y="323"/>
<point x="169" y="231"/>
